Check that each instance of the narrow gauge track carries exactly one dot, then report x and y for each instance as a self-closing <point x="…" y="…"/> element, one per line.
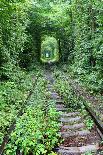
<point x="78" y="140"/>
<point x="12" y="126"/>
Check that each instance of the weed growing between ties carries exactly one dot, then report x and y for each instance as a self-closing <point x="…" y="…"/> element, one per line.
<point x="72" y="101"/>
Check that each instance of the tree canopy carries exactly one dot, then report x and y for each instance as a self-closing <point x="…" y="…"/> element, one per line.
<point x="76" y="24"/>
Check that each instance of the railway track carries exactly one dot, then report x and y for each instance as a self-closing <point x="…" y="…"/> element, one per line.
<point x="90" y="99"/>
<point x="77" y="138"/>
<point x="12" y="126"/>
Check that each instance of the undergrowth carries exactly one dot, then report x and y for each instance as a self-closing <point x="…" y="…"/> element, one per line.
<point x="36" y="131"/>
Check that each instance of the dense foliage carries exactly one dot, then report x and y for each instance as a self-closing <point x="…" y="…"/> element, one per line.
<point x="77" y="26"/>
<point x="13" y="23"/>
<point x="88" y="41"/>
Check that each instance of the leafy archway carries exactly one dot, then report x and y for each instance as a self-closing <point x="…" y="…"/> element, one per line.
<point x="49" y="49"/>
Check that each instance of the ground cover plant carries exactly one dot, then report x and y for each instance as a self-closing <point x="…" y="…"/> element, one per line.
<point x="65" y="90"/>
<point x="13" y="94"/>
<point x="36" y="130"/>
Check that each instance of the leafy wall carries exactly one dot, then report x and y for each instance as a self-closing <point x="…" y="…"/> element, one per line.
<point x="88" y="49"/>
<point x="13" y="24"/>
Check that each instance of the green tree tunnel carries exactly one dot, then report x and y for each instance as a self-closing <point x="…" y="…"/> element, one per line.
<point x="51" y="60"/>
<point x="76" y="25"/>
<point x="49" y="50"/>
